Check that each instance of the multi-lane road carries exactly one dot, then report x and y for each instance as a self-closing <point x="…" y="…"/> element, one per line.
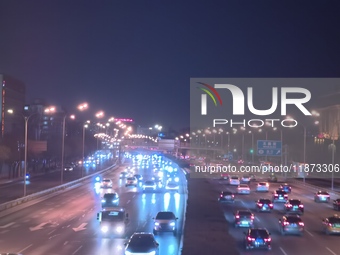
<point x="66" y="223"/>
<point x="314" y="241"/>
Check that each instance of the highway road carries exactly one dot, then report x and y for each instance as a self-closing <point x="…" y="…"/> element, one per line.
<point x="313" y="242"/>
<point x="13" y="190"/>
<point x="66" y="223"/>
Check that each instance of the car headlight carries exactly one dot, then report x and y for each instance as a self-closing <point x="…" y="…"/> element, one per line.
<point x="176" y="179"/>
<point x="172" y="224"/>
<point x="119" y="229"/>
<point x="104" y="229"/>
<point x="115" y="200"/>
<point x="103" y="200"/>
<point x="156" y="223"/>
<point x="151" y="253"/>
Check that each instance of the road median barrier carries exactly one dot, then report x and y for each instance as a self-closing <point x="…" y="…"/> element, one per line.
<point x="73" y="184"/>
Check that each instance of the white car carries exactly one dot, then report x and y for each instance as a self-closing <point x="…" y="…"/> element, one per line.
<point x="262" y="187"/>
<point x="234" y="180"/>
<point x="106" y="183"/>
<point x="245" y="179"/>
<point x="243" y="189"/>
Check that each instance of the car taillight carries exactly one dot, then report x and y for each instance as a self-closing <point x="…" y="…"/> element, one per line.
<point x="285" y="195"/>
<point x="301" y="224"/>
<point x="301" y="206"/>
<point x="232" y="195"/>
<point x="221" y="195"/>
<point x="251" y="239"/>
<point x="259" y="204"/>
<point x="267" y="239"/>
<point x="276" y="195"/>
<point x="252" y="217"/>
<point x="289" y="205"/>
<point x="237" y="216"/>
<point x="271" y="205"/>
<point x="285" y="223"/>
<point x="330" y="224"/>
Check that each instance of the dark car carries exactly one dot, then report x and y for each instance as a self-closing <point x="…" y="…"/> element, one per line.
<point x="291" y="224"/>
<point x="110" y="200"/>
<point x="226" y="196"/>
<point x="294" y="206"/>
<point x="138" y="177"/>
<point x="286" y="188"/>
<point x="280" y="196"/>
<point x="142" y="243"/>
<point x="113" y="221"/>
<point x="336" y="204"/>
<point x="165" y="222"/>
<point x="257" y="238"/>
<point x="321" y="196"/>
<point x="264" y="205"/>
<point x="244" y="218"/>
<point x="123" y="175"/>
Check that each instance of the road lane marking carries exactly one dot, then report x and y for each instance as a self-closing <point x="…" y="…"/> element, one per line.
<point x="257" y="218"/>
<point x="66" y="242"/>
<point x="77" y="250"/>
<point x="51" y="231"/>
<point x="283" y="251"/>
<point x="7" y="225"/>
<point x="309" y="233"/>
<point x="331" y="251"/>
<point x="25" y="248"/>
<point x="128" y="201"/>
<point x="4" y="231"/>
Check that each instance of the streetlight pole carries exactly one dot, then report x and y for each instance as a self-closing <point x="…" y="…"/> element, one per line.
<point x="333" y="150"/>
<point x="252" y="147"/>
<point x="304" y="152"/>
<point x="25" y="163"/>
<point x="83" y="152"/>
<point x="62" y="151"/>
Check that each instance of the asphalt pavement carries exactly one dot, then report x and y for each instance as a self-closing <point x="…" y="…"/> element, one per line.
<point x="66" y="224"/>
<point x="313" y="242"/>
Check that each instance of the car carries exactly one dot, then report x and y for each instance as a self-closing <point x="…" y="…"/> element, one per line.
<point x="165" y="222"/>
<point x="322" y="196"/>
<point x="149" y="185"/>
<point x="252" y="177"/>
<point x="110" y="200"/>
<point x="243" y="189"/>
<point x="264" y="205"/>
<point x="142" y="243"/>
<point x="294" y="206"/>
<point x="291" y="224"/>
<point x="68" y="168"/>
<point x="234" y="180"/>
<point x="224" y="176"/>
<point x="123" y="175"/>
<point x="262" y="187"/>
<point x="279" y="196"/>
<point x="226" y="196"/>
<point x="336" y="204"/>
<point x="286" y="188"/>
<point x="172" y="186"/>
<point x="106" y="183"/>
<point x="131" y="181"/>
<point x="113" y="221"/>
<point x="331" y="225"/>
<point x="257" y="238"/>
<point x="139" y="177"/>
<point x="245" y="179"/>
<point x="244" y="218"/>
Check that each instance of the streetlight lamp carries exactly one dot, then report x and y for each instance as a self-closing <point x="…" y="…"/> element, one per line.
<point x="26" y="118"/>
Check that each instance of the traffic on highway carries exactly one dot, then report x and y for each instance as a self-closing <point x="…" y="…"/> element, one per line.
<point x="107" y="214"/>
<point x="279" y="217"/>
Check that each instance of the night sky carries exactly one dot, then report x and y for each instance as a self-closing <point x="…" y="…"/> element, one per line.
<point x="134" y="59"/>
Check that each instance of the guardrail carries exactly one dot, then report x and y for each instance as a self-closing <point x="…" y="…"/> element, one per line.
<point x="184" y="215"/>
<point x="43" y="193"/>
<point x="314" y="187"/>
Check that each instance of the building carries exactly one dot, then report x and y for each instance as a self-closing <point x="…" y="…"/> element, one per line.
<point x="12" y="98"/>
